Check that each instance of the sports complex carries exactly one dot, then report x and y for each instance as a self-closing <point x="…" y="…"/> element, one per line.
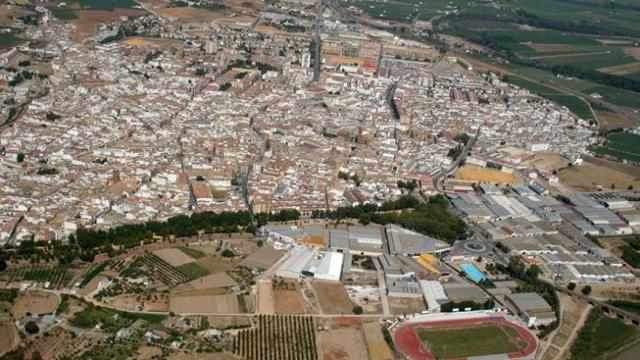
<point x="473" y="335"/>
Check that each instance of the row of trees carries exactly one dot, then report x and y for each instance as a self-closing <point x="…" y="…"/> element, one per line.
<point x="462" y="305"/>
<point x="430" y="218"/>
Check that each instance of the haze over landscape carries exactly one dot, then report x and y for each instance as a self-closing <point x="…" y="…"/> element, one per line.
<point x="320" y="179"/>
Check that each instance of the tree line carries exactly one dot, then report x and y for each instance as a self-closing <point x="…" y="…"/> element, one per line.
<point x="430" y="218"/>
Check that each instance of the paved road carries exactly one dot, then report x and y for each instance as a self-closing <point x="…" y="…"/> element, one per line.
<point x="382" y="284"/>
<point x="454" y="166"/>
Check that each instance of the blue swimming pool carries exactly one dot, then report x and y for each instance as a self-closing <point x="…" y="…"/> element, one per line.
<point x="473" y="272"/>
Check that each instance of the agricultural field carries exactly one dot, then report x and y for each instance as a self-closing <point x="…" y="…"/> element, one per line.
<point x="155" y="268"/>
<point x="174" y="257"/>
<point x="278" y="337"/>
<point x="591" y="40"/>
<point x="287" y="298"/>
<point x="406" y="305"/>
<point x="55" y="276"/>
<point x="333" y="297"/>
<point x="85" y="14"/>
<point x="342" y="338"/>
<point x="35" y="302"/>
<point x="377" y="346"/>
<point x="592" y="177"/>
<point x="461" y="342"/>
<point x="404" y="11"/>
<point x="602" y="335"/>
<point x="8" y="336"/>
<point x="621" y="145"/>
<point x="479" y="174"/>
<point x="9" y="40"/>
<point x="110" y="320"/>
<point x="616" y="96"/>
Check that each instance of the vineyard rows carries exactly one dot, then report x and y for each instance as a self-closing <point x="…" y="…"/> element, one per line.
<point x="154" y="268"/>
<point x="278" y="337"/>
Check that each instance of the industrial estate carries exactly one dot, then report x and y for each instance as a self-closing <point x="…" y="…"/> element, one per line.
<point x="319" y="179"/>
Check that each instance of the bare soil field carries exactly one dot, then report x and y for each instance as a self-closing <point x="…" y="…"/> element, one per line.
<point x="59" y="343"/>
<point x="204" y="304"/>
<point x="266" y="296"/>
<point x="621" y="69"/>
<point x="88" y="19"/>
<point x="399" y="305"/>
<point x="189" y="14"/>
<point x="217" y="280"/>
<point x="263" y="258"/>
<point x="614" y="165"/>
<point x="149" y="352"/>
<point x="479" y="174"/>
<point x="215" y="264"/>
<point x="224" y="321"/>
<point x="633" y="51"/>
<point x="9" y="11"/>
<point x="345" y="343"/>
<point x="611" y="120"/>
<point x="378" y="348"/>
<point x="8" y="336"/>
<point x="588" y="176"/>
<point x="548" y="161"/>
<point x="153" y="302"/>
<point x="174" y="257"/>
<point x="91" y="286"/>
<point x="142" y="41"/>
<point x="332" y="297"/>
<point x="288" y="302"/>
<point x="314" y="240"/>
<point x="627" y="291"/>
<point x="212" y="356"/>
<point x="550" y="47"/>
<point x="36" y="303"/>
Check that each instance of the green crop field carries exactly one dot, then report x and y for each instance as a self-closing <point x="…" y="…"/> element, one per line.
<point x="196" y="254"/>
<point x="602" y="335"/>
<point x="193" y="270"/>
<point x="105" y="5"/>
<point x="448" y="343"/>
<point x="616" y="96"/>
<point x="8" y="40"/>
<point x="622" y="145"/>
<point x="405" y="11"/>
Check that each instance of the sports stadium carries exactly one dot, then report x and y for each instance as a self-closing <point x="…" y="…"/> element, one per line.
<point x="476" y="335"/>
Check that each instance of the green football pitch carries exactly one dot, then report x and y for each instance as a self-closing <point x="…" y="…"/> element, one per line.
<point x="467" y="341"/>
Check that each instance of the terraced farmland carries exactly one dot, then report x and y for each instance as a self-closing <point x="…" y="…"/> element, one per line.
<point x="281" y="337"/>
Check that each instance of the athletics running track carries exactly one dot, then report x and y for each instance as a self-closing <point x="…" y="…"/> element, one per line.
<point x="412" y="347"/>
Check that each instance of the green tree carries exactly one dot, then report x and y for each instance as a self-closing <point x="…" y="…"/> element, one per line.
<point x="586" y="290"/>
<point x="357" y="310"/>
<point x="31" y="327"/>
<point x="571" y="286"/>
<point x="20" y="157"/>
